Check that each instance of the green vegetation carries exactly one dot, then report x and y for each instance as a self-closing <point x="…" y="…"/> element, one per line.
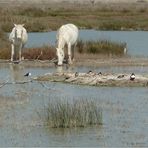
<point x="77" y="113"/>
<point x="101" y="47"/>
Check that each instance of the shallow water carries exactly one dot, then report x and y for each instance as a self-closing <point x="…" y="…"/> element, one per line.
<point x="137" y="41"/>
<point x="23" y="111"/>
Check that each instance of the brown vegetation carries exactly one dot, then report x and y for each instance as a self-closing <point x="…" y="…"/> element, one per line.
<point x="42" y="53"/>
<point x="100" y="16"/>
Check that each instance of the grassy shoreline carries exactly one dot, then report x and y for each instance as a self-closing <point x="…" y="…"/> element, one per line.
<point x="46" y="18"/>
<point x="101" y="47"/>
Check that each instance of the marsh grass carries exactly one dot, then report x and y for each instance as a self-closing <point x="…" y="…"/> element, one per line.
<point x="51" y="17"/>
<point x="42" y="53"/>
<point x="105" y="47"/>
<point x="102" y="47"/>
<point x="77" y="113"/>
<point x="4" y="46"/>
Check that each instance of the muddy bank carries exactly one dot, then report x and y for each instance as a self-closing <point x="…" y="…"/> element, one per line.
<point x="95" y="79"/>
<point x="69" y="74"/>
<point x="85" y="60"/>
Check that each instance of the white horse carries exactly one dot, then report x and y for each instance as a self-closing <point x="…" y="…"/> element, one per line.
<point x="66" y="35"/>
<point x="18" y="37"/>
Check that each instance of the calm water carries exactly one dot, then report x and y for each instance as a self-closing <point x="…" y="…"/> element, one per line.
<point x="137" y="41"/>
<point x="22" y="111"/>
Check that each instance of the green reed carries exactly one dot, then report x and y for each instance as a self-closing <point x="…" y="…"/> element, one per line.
<point x="77" y="113"/>
<point x="101" y="47"/>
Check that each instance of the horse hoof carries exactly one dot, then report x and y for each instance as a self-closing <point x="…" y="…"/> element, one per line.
<point x="16" y="62"/>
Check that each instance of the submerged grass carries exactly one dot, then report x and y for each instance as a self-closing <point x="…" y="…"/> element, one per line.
<point x="77" y="113"/>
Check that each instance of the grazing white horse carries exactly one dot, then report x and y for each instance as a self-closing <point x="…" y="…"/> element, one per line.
<point x="18" y="37"/>
<point x="66" y="35"/>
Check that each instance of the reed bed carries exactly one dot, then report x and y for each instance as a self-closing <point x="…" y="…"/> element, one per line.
<point x="40" y="53"/>
<point x="76" y="113"/>
<point x="105" y="47"/>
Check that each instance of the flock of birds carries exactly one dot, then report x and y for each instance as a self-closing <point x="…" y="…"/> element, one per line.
<point x="132" y="76"/>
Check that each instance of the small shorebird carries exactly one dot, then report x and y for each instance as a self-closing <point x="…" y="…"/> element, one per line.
<point x="100" y="73"/>
<point x="27" y="74"/>
<point x="91" y="73"/>
<point x="132" y="77"/>
<point x="76" y="74"/>
<point x="120" y="76"/>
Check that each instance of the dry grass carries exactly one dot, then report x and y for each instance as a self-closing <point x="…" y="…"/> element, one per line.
<point x="4" y="46"/>
<point x="100" y="16"/>
<point x="42" y="53"/>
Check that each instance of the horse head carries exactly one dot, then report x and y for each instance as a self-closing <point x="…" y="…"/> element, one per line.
<point x="60" y="55"/>
<point x="18" y="31"/>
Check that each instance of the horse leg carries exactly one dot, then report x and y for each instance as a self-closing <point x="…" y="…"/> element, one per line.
<point x="20" y="52"/>
<point x="69" y="54"/>
<point x="12" y="52"/>
<point x="73" y="49"/>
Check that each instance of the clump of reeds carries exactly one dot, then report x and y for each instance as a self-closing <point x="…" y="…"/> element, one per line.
<point x="77" y="113"/>
<point x="101" y="47"/>
<point x="40" y="53"/>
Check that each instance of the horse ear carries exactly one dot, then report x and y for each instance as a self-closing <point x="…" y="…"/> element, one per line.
<point x="23" y="25"/>
<point x="14" y="25"/>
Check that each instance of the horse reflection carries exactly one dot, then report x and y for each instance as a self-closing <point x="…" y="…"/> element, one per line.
<point x="16" y="72"/>
<point x="67" y="68"/>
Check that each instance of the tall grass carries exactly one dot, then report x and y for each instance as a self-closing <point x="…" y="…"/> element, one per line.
<point x="101" y="47"/>
<point x="78" y="113"/>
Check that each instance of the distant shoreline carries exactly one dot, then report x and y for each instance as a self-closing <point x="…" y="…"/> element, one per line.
<point x="69" y="1"/>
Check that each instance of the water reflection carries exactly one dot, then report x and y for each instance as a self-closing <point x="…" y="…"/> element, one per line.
<point x="60" y="69"/>
<point x="124" y="111"/>
<point x="65" y="68"/>
<point x="16" y="72"/>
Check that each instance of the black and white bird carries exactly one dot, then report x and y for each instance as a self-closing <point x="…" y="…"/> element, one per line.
<point x="27" y="74"/>
<point x="76" y="74"/>
<point x="120" y="76"/>
<point x="89" y="72"/>
<point x="100" y="73"/>
<point x="132" y="77"/>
